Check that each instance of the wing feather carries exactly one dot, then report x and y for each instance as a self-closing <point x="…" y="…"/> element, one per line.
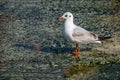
<point x="80" y="34"/>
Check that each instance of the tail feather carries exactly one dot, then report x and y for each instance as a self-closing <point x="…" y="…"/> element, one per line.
<point x="104" y="38"/>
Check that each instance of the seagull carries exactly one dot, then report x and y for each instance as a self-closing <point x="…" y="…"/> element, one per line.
<point x="76" y="33"/>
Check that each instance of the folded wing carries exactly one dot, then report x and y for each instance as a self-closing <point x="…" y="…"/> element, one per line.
<point x="82" y="35"/>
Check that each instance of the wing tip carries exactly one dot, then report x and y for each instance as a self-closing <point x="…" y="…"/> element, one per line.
<point x="98" y="42"/>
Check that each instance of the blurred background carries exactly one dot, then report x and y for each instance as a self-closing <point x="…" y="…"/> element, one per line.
<point x="32" y="45"/>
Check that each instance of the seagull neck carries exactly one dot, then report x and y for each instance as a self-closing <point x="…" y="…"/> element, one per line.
<point x="69" y="22"/>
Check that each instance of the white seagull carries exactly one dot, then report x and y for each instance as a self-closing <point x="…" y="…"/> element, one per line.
<point x="77" y="33"/>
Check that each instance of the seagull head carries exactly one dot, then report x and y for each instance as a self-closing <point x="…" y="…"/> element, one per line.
<point x="66" y="16"/>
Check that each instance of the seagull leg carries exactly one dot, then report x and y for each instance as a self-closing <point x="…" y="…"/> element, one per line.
<point x="76" y="54"/>
<point x="77" y="48"/>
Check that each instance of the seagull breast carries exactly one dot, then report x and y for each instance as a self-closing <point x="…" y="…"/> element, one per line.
<point x="68" y="29"/>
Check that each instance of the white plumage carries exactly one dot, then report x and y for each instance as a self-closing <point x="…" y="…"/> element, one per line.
<point x="77" y="33"/>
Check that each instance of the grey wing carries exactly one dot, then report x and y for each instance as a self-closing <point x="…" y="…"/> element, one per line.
<point x="80" y="30"/>
<point x="80" y="34"/>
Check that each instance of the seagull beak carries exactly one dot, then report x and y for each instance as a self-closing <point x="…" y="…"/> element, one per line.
<point x="61" y="18"/>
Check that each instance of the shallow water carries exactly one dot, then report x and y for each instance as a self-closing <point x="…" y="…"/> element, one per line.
<point x="24" y="24"/>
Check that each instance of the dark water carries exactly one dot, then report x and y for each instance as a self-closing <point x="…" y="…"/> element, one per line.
<point x="107" y="72"/>
<point x="19" y="70"/>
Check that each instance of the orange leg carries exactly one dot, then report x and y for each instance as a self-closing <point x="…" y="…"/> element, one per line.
<point x="76" y="54"/>
<point x="77" y="48"/>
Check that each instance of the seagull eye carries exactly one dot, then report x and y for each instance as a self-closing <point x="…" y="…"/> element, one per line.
<point x="70" y="16"/>
<point x="65" y="15"/>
